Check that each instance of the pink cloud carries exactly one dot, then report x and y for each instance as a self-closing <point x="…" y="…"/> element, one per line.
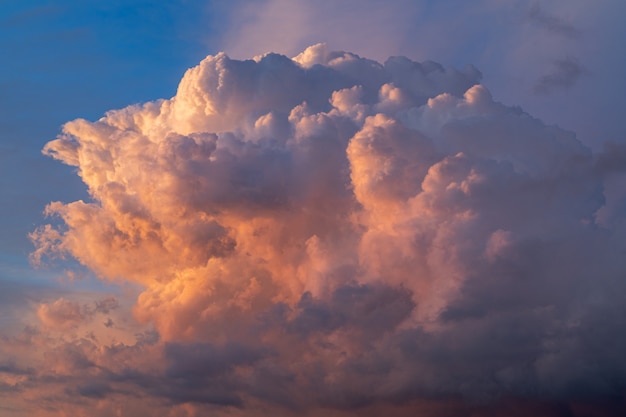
<point x="335" y="236"/>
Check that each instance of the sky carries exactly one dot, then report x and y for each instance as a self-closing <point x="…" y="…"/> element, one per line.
<point x="312" y="208"/>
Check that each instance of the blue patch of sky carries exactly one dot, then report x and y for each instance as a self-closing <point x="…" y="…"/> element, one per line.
<point x="68" y="59"/>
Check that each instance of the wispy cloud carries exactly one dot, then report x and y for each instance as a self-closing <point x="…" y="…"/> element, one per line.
<point x="551" y="23"/>
<point x="566" y="72"/>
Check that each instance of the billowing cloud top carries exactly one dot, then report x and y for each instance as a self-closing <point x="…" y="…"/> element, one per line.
<point x="327" y="234"/>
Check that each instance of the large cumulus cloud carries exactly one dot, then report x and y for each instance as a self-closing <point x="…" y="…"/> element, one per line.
<point x="327" y="234"/>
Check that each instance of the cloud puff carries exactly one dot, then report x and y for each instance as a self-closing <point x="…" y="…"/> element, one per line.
<point x="327" y="234"/>
<point x="61" y="313"/>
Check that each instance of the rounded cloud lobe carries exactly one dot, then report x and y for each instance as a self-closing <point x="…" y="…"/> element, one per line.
<point x="331" y="233"/>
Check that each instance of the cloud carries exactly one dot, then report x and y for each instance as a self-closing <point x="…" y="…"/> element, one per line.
<point x="66" y="313"/>
<point x="566" y="73"/>
<point x="61" y="313"/>
<point x="553" y="24"/>
<point x="335" y="236"/>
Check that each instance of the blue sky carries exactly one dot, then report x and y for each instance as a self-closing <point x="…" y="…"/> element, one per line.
<point x="561" y="62"/>
<point x="68" y="59"/>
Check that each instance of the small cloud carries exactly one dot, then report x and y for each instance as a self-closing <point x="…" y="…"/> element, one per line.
<point x="565" y="74"/>
<point x="552" y="23"/>
<point x="107" y="304"/>
<point x="61" y="313"/>
<point x="64" y="313"/>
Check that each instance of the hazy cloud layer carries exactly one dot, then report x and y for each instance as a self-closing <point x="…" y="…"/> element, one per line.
<point x="328" y="235"/>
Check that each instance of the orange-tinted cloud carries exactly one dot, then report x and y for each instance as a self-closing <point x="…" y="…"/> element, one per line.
<point x="331" y="233"/>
